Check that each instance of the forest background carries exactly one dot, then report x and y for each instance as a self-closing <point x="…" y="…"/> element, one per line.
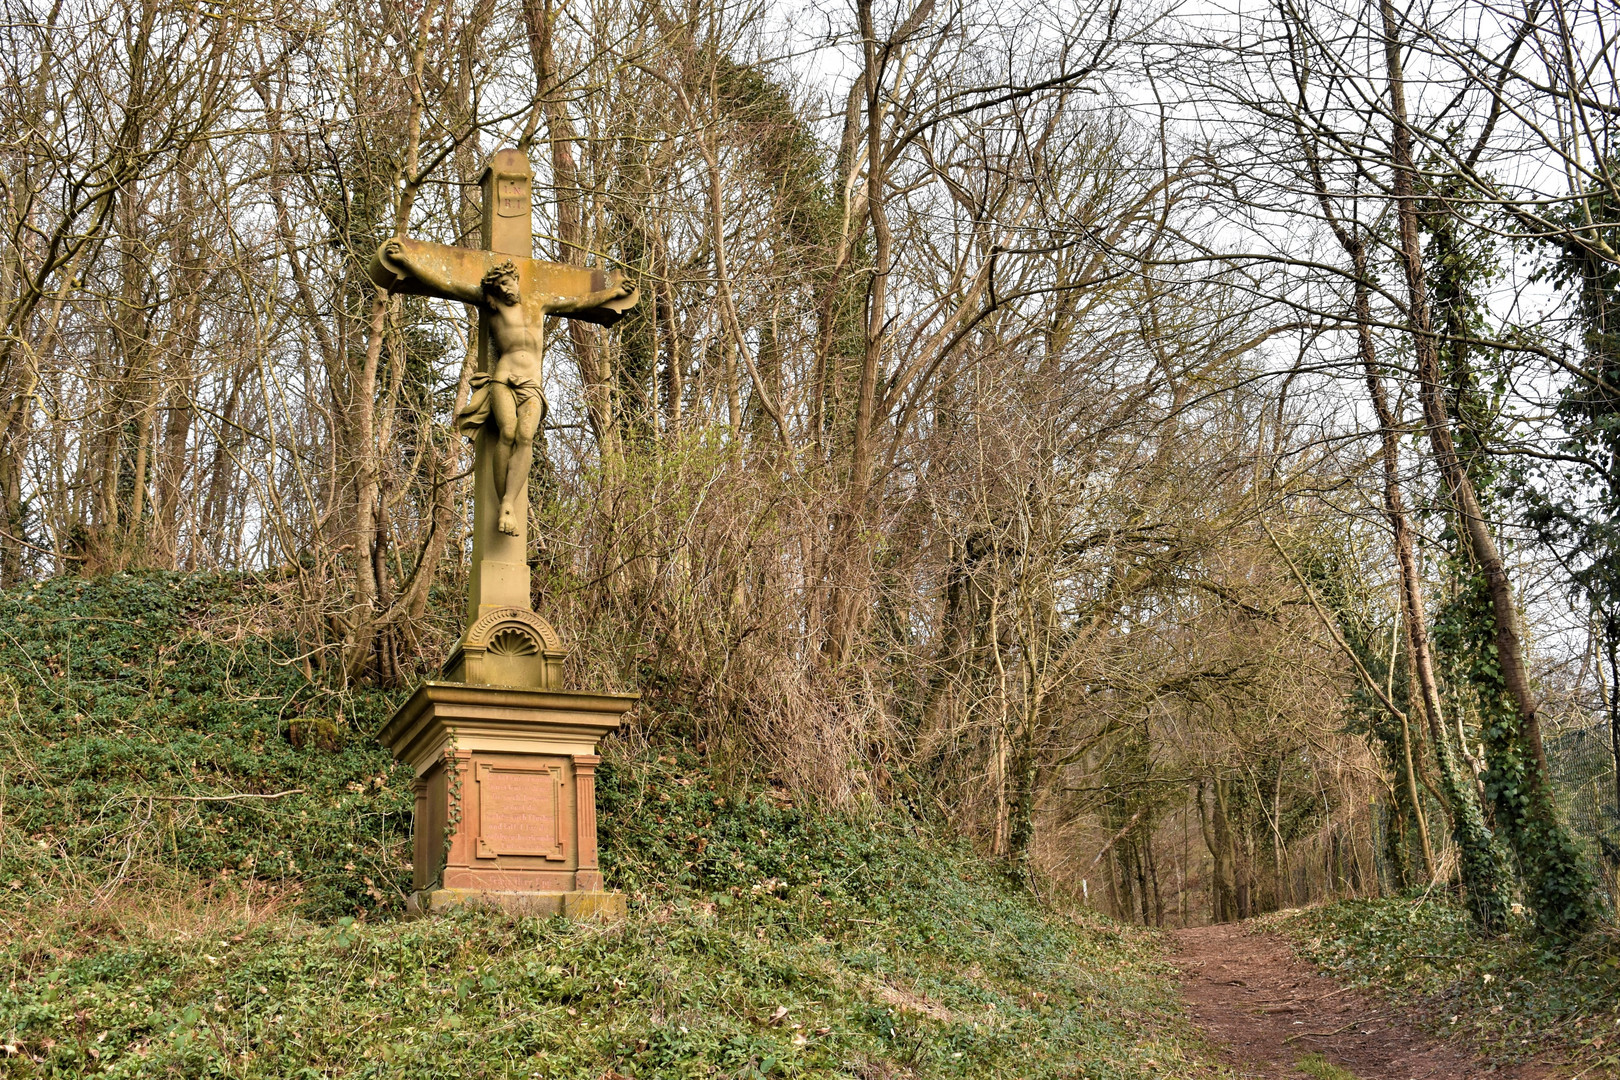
<point x="1179" y="446"/>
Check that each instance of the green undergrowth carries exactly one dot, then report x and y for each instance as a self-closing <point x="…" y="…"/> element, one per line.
<point x="1511" y="996"/>
<point x="130" y="705"/>
<point x="150" y="928"/>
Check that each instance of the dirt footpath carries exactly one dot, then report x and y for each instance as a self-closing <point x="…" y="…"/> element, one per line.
<point x="1266" y="1010"/>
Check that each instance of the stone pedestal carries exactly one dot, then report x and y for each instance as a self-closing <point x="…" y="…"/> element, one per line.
<point x="506" y="796"/>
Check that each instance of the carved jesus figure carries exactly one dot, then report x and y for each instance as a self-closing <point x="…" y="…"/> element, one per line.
<point x="510" y="392"/>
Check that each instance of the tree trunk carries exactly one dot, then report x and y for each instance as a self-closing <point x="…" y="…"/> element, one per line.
<point x="1153" y="873"/>
<point x="1224" y="851"/>
<point x="1138" y="859"/>
<point x="362" y="409"/>
<point x="1116" y="901"/>
<point x="1611" y="635"/>
<point x="1284" y="889"/>
<point x="1413" y="799"/>
<point x="595" y="366"/>
<point x="1558" y="885"/>
<point x="1481" y="866"/>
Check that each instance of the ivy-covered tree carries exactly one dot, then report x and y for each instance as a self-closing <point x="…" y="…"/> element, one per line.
<point x="1483" y="665"/>
<point x="1576" y="504"/>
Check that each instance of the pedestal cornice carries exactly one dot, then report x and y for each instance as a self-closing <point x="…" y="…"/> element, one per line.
<point x="471" y="717"/>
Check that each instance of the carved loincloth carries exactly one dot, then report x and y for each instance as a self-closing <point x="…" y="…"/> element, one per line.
<point x="480" y="407"/>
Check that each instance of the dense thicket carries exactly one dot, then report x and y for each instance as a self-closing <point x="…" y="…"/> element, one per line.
<point x="1183" y="453"/>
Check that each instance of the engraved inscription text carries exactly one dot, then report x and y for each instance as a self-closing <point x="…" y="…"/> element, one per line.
<point x="519" y="812"/>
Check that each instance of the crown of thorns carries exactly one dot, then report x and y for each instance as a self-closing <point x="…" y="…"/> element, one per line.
<point x="500" y="275"/>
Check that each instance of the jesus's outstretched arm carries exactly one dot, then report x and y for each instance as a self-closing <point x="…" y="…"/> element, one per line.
<point x="618" y="288"/>
<point x="426" y="269"/>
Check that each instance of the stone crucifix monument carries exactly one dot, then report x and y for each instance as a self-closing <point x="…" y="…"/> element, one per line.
<point x="505" y="758"/>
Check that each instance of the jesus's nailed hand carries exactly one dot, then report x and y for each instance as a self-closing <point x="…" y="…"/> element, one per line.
<point x="387" y="260"/>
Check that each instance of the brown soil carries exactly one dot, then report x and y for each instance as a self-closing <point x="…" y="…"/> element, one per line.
<point x="1266" y="1010"/>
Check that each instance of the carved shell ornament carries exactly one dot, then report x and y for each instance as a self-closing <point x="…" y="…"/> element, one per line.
<point x="513" y="631"/>
<point x="511" y="641"/>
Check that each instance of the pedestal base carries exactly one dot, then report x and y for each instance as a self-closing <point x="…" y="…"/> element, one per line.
<point x="506" y="796"/>
<point x="605" y="906"/>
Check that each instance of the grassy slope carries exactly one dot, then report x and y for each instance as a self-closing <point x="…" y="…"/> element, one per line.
<point x="1510" y="996"/>
<point x="144" y="934"/>
<point x="128" y="695"/>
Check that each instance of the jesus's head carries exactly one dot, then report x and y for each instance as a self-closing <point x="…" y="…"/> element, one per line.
<point x="501" y="283"/>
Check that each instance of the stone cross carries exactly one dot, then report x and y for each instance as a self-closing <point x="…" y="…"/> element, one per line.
<point x="514" y="294"/>
<point x="505" y="757"/>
